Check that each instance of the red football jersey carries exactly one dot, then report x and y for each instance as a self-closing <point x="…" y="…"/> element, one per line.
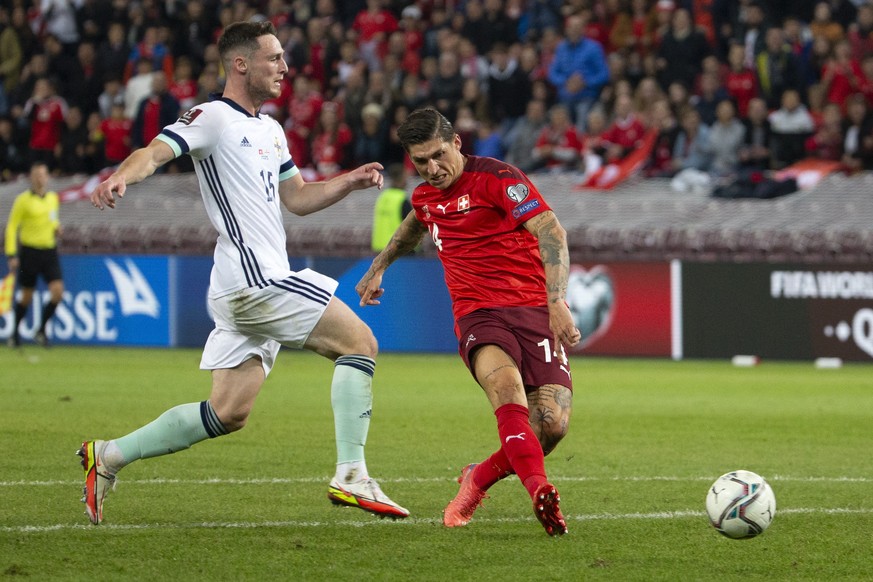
<point x="743" y="87"/>
<point x="47" y="122"/>
<point x="489" y="258"/>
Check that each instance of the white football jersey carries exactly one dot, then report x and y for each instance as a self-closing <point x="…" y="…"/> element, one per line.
<point x="240" y="160"/>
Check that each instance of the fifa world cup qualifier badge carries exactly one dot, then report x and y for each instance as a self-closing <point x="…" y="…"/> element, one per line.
<point x="517" y="193"/>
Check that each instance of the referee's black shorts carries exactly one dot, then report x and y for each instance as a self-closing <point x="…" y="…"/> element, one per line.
<point x="35" y="262"/>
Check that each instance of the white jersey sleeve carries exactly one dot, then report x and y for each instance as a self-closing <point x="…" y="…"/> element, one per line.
<point x="195" y="133"/>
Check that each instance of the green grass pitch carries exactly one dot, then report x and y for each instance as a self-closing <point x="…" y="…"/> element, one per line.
<point x="647" y="438"/>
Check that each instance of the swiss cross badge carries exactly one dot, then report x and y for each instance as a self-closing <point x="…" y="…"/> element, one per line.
<point x="464" y="203"/>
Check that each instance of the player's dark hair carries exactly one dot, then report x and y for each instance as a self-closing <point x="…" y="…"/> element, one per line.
<point x="424" y="125"/>
<point x="242" y="35"/>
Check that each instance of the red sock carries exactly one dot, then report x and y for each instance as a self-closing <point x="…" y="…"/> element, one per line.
<point x="491" y="470"/>
<point x="521" y="446"/>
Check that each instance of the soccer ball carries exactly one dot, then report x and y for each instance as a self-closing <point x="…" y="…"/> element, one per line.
<point x="740" y="504"/>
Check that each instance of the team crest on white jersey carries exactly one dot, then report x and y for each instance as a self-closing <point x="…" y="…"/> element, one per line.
<point x="518" y="192"/>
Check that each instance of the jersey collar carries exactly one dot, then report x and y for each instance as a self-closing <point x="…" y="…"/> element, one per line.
<point x="232" y="103"/>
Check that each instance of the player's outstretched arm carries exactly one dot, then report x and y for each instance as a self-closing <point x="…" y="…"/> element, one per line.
<point x="302" y="198"/>
<point x="403" y="241"/>
<point x="552" y="239"/>
<point x="138" y="166"/>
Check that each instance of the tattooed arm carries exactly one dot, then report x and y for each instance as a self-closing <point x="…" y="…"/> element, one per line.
<point x="552" y="240"/>
<point x="403" y="241"/>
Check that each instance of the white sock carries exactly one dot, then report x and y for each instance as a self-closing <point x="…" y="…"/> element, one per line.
<point x="351" y="472"/>
<point x="113" y="460"/>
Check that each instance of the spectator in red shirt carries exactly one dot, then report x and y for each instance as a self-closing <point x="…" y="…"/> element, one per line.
<point x="412" y="28"/>
<point x="184" y="86"/>
<point x="827" y="142"/>
<point x="559" y="146"/>
<point x="317" y="42"/>
<point x="409" y="60"/>
<point x="661" y="15"/>
<point x="156" y="111"/>
<point x="861" y="32"/>
<point x="643" y="25"/>
<point x="841" y="74"/>
<point x="305" y="104"/>
<point x="330" y="142"/>
<point x="626" y="131"/>
<point x="116" y="135"/>
<point x="373" y="25"/>
<point x="46" y="112"/>
<point x="597" y="28"/>
<point x="741" y="82"/>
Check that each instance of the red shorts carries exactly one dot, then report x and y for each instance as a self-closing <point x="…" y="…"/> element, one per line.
<point x="521" y="332"/>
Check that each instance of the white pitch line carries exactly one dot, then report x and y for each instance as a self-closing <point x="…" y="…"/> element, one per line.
<point x="408" y="521"/>
<point x="297" y="480"/>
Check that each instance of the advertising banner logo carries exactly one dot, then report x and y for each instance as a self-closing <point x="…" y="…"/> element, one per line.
<point x="778" y="311"/>
<point x="108" y="300"/>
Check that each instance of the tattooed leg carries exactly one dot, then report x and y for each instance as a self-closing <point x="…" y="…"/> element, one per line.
<point x="550" y="406"/>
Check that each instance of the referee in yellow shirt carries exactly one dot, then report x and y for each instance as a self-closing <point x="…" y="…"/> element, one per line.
<point x="32" y="249"/>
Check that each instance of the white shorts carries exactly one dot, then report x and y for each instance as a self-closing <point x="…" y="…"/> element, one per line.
<point x="256" y="322"/>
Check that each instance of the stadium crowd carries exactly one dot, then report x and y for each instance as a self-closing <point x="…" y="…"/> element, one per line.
<point x="722" y="85"/>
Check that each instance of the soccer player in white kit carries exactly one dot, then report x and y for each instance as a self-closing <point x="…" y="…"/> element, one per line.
<point x="245" y="171"/>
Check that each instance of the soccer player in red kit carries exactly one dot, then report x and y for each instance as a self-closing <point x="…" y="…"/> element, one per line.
<point x="506" y="265"/>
